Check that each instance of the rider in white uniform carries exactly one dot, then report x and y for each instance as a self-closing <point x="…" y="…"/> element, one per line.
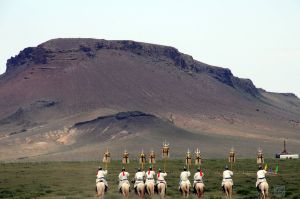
<point x="101" y="177"/>
<point x="150" y="176"/>
<point x="184" y="177"/>
<point x="261" y="176"/>
<point x="161" y="177"/>
<point x="198" y="177"/>
<point x="139" y="177"/>
<point x="227" y="177"/>
<point x="123" y="178"/>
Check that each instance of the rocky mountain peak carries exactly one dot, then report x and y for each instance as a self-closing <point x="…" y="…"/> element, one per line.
<point x="40" y="54"/>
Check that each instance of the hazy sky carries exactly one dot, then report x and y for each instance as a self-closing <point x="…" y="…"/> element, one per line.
<point x="256" y="39"/>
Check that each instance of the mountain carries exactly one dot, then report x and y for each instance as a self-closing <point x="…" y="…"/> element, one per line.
<point x="63" y="99"/>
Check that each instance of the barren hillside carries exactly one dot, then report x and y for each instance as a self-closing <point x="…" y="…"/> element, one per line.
<point x="62" y="99"/>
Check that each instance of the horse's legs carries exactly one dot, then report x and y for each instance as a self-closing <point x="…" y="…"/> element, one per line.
<point x="187" y="191"/>
<point x="199" y="191"/>
<point x="264" y="193"/>
<point x="226" y="191"/>
<point x="124" y="192"/>
<point x="142" y="192"/>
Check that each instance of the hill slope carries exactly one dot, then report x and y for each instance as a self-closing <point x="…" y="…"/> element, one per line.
<point x="47" y="89"/>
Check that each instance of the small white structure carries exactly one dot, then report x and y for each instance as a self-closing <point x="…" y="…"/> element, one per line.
<point x="286" y="155"/>
<point x="289" y="156"/>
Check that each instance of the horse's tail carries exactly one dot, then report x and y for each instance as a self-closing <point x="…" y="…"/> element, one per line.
<point x="140" y="189"/>
<point x="161" y="190"/>
<point x="100" y="189"/>
<point x="150" y="188"/>
<point x="266" y="190"/>
<point x="125" y="190"/>
<point x="228" y="189"/>
<point x="199" y="189"/>
<point x="185" y="189"/>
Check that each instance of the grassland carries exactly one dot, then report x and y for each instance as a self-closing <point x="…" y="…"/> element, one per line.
<point x="77" y="179"/>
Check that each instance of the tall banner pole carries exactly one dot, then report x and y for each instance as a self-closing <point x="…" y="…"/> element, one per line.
<point x="260" y="156"/>
<point x="231" y="157"/>
<point x="142" y="159"/>
<point x="165" y="153"/>
<point x="198" y="159"/>
<point x="125" y="159"/>
<point x="188" y="160"/>
<point x="106" y="158"/>
<point x="152" y="158"/>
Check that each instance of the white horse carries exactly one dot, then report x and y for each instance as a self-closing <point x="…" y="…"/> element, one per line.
<point x="100" y="188"/>
<point x="161" y="188"/>
<point x="264" y="190"/>
<point x="228" y="189"/>
<point x="185" y="188"/>
<point x="150" y="188"/>
<point x="140" y="189"/>
<point x="125" y="189"/>
<point x="199" y="187"/>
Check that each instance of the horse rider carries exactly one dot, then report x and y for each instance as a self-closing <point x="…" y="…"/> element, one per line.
<point x="227" y="177"/>
<point x="198" y="178"/>
<point x="184" y="177"/>
<point x="150" y="176"/>
<point x="139" y="178"/>
<point x="123" y="178"/>
<point x="261" y="176"/>
<point x="101" y="177"/>
<point x="161" y="177"/>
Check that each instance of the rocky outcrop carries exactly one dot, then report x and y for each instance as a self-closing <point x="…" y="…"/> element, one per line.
<point x="36" y="55"/>
<point x="119" y="116"/>
<point x="39" y="55"/>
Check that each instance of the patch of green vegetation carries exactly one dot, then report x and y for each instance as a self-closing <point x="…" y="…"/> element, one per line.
<point x="61" y="180"/>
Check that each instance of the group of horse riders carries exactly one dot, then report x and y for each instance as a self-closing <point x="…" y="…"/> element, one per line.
<point x="148" y="177"/>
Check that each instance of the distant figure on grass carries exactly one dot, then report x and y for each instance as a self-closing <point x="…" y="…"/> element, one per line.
<point x="184" y="183"/>
<point x="161" y="184"/>
<point x="150" y="181"/>
<point x="261" y="182"/>
<point x="101" y="183"/>
<point x="139" y="185"/>
<point x="198" y="183"/>
<point x="227" y="182"/>
<point x="124" y="185"/>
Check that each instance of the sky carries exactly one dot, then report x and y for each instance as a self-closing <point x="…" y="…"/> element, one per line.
<point x="259" y="40"/>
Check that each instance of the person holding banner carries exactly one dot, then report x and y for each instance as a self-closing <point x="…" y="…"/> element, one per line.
<point x="184" y="179"/>
<point x="261" y="177"/>
<point x="123" y="179"/>
<point x="150" y="183"/>
<point x="198" y="177"/>
<point x="101" y="174"/>
<point x="161" y="177"/>
<point x="150" y="175"/>
<point x="161" y="184"/>
<point x="198" y="183"/>
<point x="101" y="183"/>
<point x="227" y="182"/>
<point x="139" y="177"/>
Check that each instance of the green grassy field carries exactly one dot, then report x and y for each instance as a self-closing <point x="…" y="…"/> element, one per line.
<point x="77" y="179"/>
